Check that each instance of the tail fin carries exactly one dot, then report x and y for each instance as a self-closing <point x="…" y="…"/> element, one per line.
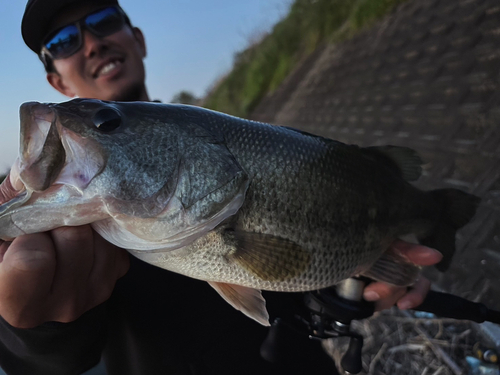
<point x="458" y="209"/>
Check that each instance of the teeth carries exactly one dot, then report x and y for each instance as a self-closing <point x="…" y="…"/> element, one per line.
<point x="107" y="68"/>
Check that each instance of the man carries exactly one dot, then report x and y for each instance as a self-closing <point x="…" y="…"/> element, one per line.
<point x="68" y="296"/>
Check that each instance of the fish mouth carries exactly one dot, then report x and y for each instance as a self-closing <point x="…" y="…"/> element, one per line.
<point x="41" y="155"/>
<point x="50" y="156"/>
<point x="45" y="186"/>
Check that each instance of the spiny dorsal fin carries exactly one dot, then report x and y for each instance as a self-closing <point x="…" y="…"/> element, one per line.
<point x="268" y="257"/>
<point x="403" y="159"/>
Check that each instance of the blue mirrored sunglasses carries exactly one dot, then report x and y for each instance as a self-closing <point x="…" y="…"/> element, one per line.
<point x="67" y="40"/>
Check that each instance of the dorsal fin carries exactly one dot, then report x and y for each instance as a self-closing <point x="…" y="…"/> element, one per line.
<point x="403" y="160"/>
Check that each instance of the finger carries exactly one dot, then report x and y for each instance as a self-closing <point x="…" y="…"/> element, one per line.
<point x="384" y="295"/>
<point x="417" y="254"/>
<point x="415" y="295"/>
<point x="119" y="258"/>
<point x="26" y="275"/>
<point x="75" y="257"/>
<point x="123" y="263"/>
<point x="8" y="190"/>
<point x="4" y="246"/>
<point x="110" y="263"/>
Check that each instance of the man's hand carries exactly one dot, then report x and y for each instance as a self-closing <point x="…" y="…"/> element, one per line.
<point x="57" y="275"/>
<point x="385" y="295"/>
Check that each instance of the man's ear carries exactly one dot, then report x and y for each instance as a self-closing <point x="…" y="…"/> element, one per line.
<point x="56" y="82"/>
<point x="139" y="36"/>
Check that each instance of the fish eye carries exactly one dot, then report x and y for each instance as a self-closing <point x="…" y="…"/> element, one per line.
<point x="107" y="119"/>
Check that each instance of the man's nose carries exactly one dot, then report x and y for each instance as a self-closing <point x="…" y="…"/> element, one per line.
<point x="92" y="44"/>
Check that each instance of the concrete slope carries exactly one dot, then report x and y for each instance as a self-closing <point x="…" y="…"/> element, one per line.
<point x="426" y="77"/>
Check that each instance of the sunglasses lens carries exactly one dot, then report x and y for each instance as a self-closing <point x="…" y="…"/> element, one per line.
<point x="64" y="42"/>
<point x="105" y="22"/>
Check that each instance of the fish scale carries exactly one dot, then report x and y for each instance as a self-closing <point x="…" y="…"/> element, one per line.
<point x="335" y="255"/>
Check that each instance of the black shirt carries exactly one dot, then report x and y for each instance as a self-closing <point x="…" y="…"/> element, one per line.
<point x="159" y="322"/>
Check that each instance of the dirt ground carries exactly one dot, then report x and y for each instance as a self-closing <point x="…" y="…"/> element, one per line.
<point x="402" y="343"/>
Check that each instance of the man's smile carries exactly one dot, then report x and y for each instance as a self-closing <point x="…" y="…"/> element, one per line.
<point x="108" y="67"/>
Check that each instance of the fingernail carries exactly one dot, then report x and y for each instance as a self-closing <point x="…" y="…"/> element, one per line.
<point x="371" y="296"/>
<point x="404" y="305"/>
<point x="429" y="254"/>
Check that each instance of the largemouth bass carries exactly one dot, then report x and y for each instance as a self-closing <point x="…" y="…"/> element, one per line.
<point x="246" y="206"/>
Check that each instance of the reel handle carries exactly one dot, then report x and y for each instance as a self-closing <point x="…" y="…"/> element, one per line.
<point x="351" y="361"/>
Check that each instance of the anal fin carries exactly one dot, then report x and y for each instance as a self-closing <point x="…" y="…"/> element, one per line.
<point x="247" y="300"/>
<point x="393" y="268"/>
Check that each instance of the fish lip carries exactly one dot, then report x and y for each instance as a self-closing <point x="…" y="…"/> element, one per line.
<point x="19" y="199"/>
<point x="95" y="72"/>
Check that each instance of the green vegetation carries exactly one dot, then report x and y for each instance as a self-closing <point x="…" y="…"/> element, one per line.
<point x="185" y="97"/>
<point x="261" y="67"/>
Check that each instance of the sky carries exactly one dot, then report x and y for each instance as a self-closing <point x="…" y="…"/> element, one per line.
<point x="191" y="43"/>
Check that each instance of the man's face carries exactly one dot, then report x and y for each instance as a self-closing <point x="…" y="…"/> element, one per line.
<point x="108" y="68"/>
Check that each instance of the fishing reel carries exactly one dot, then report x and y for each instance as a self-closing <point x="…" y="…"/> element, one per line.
<point x="330" y="312"/>
<point x="333" y="310"/>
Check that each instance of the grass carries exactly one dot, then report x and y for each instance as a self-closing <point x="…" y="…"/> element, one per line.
<point x="262" y="67"/>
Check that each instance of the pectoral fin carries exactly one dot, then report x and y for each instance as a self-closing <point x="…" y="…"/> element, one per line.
<point x="247" y="300"/>
<point x="393" y="268"/>
<point x="269" y="257"/>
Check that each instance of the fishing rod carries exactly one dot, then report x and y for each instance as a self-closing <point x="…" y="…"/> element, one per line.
<point x="331" y="311"/>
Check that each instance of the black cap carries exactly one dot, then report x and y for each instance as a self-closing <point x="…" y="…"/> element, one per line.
<point x="39" y="14"/>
